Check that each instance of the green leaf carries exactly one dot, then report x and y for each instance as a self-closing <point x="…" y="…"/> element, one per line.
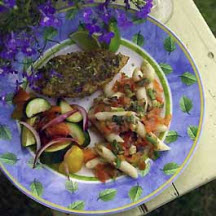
<point x="172" y="136"/>
<point x="27" y="62"/>
<point x="36" y="188"/>
<point x="49" y="33"/>
<point x="71" y="14"/>
<point x="31" y="162"/>
<point x="71" y="186"/>
<point x="78" y="205"/>
<point x="138" y="20"/>
<point x="9" y="98"/>
<point x="186" y="104"/>
<point x="107" y="195"/>
<point x="138" y="39"/>
<point x="5" y="133"/>
<point x="192" y="132"/>
<point x="188" y="78"/>
<point x="118" y="163"/>
<point x="8" y="158"/>
<point x="135" y="193"/>
<point x="167" y="69"/>
<point x="171" y="168"/>
<point x="169" y="44"/>
<point x="146" y="170"/>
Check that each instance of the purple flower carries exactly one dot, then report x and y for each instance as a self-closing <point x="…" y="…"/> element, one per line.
<point x="50" y="21"/>
<point x="92" y="28"/>
<point x="3" y="98"/>
<point x="105" y="16"/>
<point x="7" y="69"/>
<point x="47" y="8"/>
<point x="122" y="19"/>
<point x="145" y="10"/>
<point x="106" y="37"/>
<point x="7" y="54"/>
<point x="87" y="14"/>
<point x="28" y="51"/>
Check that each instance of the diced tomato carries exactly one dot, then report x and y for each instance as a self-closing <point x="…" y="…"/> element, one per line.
<point x="89" y="154"/>
<point x="60" y="129"/>
<point x="21" y="96"/>
<point x="157" y="86"/>
<point x="55" y="109"/>
<point x="101" y="173"/>
<point x="141" y="165"/>
<point x="113" y="127"/>
<point x="99" y="108"/>
<point x="124" y="100"/>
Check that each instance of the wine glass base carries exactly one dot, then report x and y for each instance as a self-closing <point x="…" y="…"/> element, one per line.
<point x="162" y="10"/>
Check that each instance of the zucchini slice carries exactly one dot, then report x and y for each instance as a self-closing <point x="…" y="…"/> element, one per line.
<point x="87" y="139"/>
<point x="54" y="157"/>
<point x="77" y="133"/>
<point x="65" y="107"/>
<point x="58" y="147"/>
<point x="28" y="138"/>
<point x="35" y="106"/>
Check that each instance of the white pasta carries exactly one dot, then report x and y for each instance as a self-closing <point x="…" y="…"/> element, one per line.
<point x="93" y="163"/>
<point x="140" y="130"/>
<point x="103" y="116"/>
<point x="141" y="94"/>
<point x="161" y="146"/>
<point x="148" y="70"/>
<point x="125" y="167"/>
<point x="117" y="94"/>
<point x="161" y="128"/>
<point x="108" y="89"/>
<point x="111" y="137"/>
<point x="137" y="75"/>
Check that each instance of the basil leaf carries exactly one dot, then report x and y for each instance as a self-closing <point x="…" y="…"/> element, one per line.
<point x="138" y="39"/>
<point x="36" y="188"/>
<point x="71" y="186"/>
<point x="118" y="162"/>
<point x="49" y="33"/>
<point x="192" y="132"/>
<point x="8" y="158"/>
<point x="186" y="104"/>
<point x="167" y="69"/>
<point x="107" y="195"/>
<point x="172" y="136"/>
<point x="71" y="14"/>
<point x="169" y="44"/>
<point x="188" y="78"/>
<point x="135" y="193"/>
<point x="171" y="168"/>
<point x="5" y="133"/>
<point x="78" y="205"/>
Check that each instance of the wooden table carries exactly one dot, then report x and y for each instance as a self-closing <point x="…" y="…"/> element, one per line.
<point x="189" y="25"/>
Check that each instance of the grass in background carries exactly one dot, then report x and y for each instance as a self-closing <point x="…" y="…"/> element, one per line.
<point x="208" y="10"/>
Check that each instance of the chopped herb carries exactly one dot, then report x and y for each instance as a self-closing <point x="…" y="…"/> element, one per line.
<point x="117" y="109"/>
<point x="116" y="148"/>
<point x="143" y="82"/>
<point x="130" y="119"/>
<point x="118" y="162"/>
<point x="151" y="139"/>
<point x="118" y="119"/>
<point x="157" y="104"/>
<point x="156" y="155"/>
<point x="151" y="94"/>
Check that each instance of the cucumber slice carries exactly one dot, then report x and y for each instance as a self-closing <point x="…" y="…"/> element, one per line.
<point x="65" y="107"/>
<point x="58" y="147"/>
<point x="87" y="139"/>
<point x="54" y="157"/>
<point x="77" y="133"/>
<point x="27" y="136"/>
<point x="35" y="106"/>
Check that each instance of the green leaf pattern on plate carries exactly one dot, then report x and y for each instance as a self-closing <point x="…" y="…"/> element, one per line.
<point x="31" y="162"/>
<point x="36" y="188"/>
<point x="78" y="205"/>
<point x="49" y="33"/>
<point x="171" y="168"/>
<point x="171" y="136"/>
<point x="186" y="104"/>
<point x="135" y="193"/>
<point x="8" y="158"/>
<point x="71" y="186"/>
<point x="167" y="69"/>
<point x="107" y="195"/>
<point x="71" y="14"/>
<point x="188" y="78"/>
<point x="169" y="44"/>
<point x="192" y="132"/>
<point x="138" y="39"/>
<point x="5" y="133"/>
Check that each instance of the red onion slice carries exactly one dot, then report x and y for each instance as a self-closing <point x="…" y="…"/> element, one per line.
<point x="59" y="119"/>
<point x="84" y="115"/>
<point x="41" y="150"/>
<point x="34" y="132"/>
